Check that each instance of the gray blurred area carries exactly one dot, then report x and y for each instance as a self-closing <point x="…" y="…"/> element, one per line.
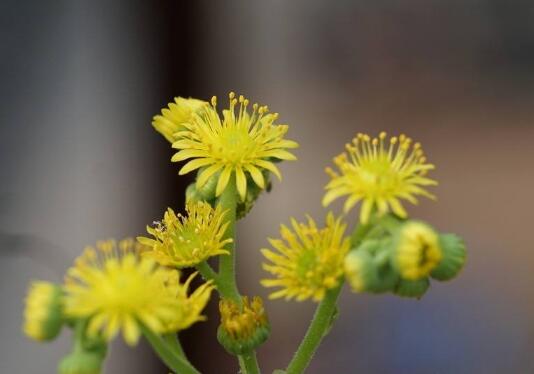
<point x="80" y="82"/>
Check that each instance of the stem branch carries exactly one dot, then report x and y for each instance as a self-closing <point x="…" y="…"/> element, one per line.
<point x="316" y="331"/>
<point x="226" y="279"/>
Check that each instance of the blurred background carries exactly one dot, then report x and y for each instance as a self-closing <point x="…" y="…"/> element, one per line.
<point x="80" y="82"/>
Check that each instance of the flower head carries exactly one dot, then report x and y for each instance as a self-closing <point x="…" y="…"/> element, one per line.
<point x="236" y="144"/>
<point x="118" y="290"/>
<point x="187" y="241"/>
<point x="172" y="118"/>
<point x="243" y="327"/>
<point x="309" y="262"/>
<point x="379" y="175"/>
<point x="416" y="251"/>
<point x="43" y="315"/>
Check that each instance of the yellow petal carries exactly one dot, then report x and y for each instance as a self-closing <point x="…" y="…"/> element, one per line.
<point x="130" y="330"/>
<point x="223" y="180"/>
<point x="256" y="175"/>
<point x="195" y="164"/>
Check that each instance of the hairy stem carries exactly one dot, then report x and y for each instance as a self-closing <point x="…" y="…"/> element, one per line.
<point x="249" y="363"/>
<point x="227" y="282"/>
<point x="317" y="330"/>
<point x="208" y="273"/>
<point x="226" y="279"/>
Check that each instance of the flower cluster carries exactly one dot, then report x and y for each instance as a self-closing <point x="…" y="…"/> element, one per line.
<point x="387" y="252"/>
<point x="133" y="287"/>
<point x="401" y="257"/>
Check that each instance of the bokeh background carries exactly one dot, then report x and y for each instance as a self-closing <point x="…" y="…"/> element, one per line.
<point x="81" y="80"/>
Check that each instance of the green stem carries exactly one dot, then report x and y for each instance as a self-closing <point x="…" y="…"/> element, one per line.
<point x="318" y="328"/>
<point x="249" y="363"/>
<point x="207" y="272"/>
<point x="174" y="343"/>
<point x="227" y="281"/>
<point x="173" y="360"/>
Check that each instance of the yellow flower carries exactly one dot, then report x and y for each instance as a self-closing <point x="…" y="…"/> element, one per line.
<point x="187" y="241"/>
<point x="233" y="145"/>
<point x="416" y="251"/>
<point x="43" y="312"/>
<point x="309" y="262"/>
<point x="117" y="290"/>
<point x="172" y="118"/>
<point x="379" y="175"/>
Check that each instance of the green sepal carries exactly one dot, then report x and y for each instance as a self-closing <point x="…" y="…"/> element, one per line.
<point x="81" y="362"/>
<point x="409" y="288"/>
<point x="242" y="346"/>
<point x="454" y="256"/>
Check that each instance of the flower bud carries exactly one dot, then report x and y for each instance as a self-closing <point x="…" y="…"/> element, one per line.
<point x="43" y="314"/>
<point x="81" y="362"/>
<point x="412" y="288"/>
<point x="387" y="280"/>
<point x="453" y="257"/>
<point x="416" y="250"/>
<point x="368" y="269"/>
<point x="360" y="270"/>
<point x="244" y="327"/>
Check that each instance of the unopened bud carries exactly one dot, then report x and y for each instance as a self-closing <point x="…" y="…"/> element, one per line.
<point x="43" y="314"/>
<point x="453" y="257"/>
<point x="243" y="327"/>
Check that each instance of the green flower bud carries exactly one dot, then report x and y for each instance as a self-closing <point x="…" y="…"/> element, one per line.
<point x="360" y="270"/>
<point x="416" y="250"/>
<point x="411" y="288"/>
<point x="387" y="280"/>
<point x="453" y="257"/>
<point x="81" y="362"/>
<point x="368" y="267"/>
<point x="43" y="314"/>
<point x="244" y="327"/>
